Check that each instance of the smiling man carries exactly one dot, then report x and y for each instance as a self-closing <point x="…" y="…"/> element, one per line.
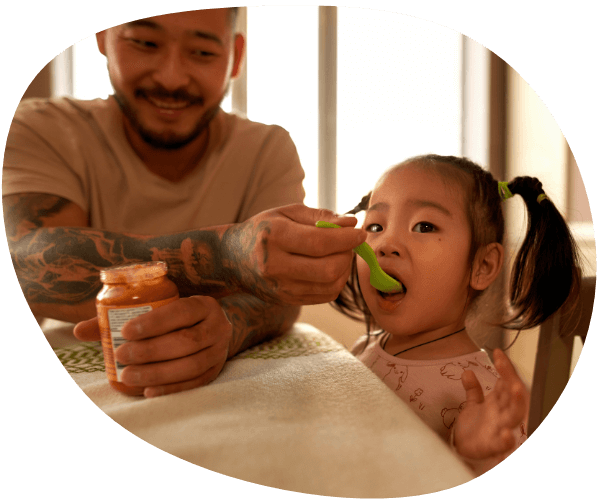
<point x="170" y="74"/>
<point x="158" y="171"/>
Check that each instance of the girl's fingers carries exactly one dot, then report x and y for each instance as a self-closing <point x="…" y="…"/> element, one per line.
<point x="510" y="391"/>
<point x="504" y="366"/>
<point x="472" y="387"/>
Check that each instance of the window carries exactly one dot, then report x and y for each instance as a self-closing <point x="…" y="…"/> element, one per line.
<point x="399" y="95"/>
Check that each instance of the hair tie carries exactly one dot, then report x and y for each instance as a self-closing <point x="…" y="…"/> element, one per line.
<point x="504" y="191"/>
<point x="541" y="197"/>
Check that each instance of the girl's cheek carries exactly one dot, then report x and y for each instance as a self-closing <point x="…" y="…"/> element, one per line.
<point x="364" y="274"/>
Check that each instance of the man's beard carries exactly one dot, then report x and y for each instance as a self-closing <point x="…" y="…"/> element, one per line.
<point x="166" y="140"/>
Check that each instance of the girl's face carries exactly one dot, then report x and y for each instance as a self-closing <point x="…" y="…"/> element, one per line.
<point x="417" y="226"/>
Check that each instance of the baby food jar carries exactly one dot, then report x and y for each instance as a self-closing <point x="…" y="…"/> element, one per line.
<point x="129" y="291"/>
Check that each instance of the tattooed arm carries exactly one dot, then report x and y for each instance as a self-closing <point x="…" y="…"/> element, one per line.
<point x="277" y="256"/>
<point x="254" y="274"/>
<point x="58" y="258"/>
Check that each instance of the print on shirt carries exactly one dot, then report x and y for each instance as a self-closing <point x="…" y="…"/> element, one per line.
<point x="455" y="370"/>
<point x="449" y="415"/>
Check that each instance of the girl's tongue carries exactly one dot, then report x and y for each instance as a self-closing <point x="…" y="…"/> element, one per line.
<point x="389" y="301"/>
<point x="392" y="296"/>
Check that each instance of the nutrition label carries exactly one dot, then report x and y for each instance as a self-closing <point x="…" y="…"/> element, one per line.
<point x="117" y="317"/>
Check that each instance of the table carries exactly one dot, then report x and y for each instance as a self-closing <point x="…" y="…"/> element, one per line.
<point x="298" y="413"/>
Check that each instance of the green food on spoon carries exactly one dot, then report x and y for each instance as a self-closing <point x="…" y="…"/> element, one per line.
<point x="379" y="279"/>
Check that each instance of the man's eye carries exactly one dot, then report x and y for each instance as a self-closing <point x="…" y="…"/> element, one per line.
<point x="143" y="43"/>
<point x="424" y="227"/>
<point x="374" y="228"/>
<point x="203" y="53"/>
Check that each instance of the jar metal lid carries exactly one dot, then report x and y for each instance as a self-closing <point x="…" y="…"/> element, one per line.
<point x="133" y="272"/>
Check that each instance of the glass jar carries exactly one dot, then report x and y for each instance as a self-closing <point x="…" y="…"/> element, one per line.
<point x="128" y="291"/>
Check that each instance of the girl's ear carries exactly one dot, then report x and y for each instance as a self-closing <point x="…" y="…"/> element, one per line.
<point x="487" y="266"/>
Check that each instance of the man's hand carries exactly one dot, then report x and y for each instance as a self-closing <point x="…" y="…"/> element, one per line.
<point x="176" y="347"/>
<point x="280" y="256"/>
<point x="485" y="426"/>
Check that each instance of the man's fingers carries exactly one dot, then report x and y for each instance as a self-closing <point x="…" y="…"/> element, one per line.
<point x="204" y="379"/>
<point x="87" y="330"/>
<point x="297" y="232"/>
<point x="312" y="241"/>
<point x="173" y="371"/>
<point x="310" y="216"/>
<point x="179" y="314"/>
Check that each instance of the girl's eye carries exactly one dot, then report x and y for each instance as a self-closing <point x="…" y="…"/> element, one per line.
<point x="424" y="227"/>
<point x="203" y="53"/>
<point x="374" y="228"/>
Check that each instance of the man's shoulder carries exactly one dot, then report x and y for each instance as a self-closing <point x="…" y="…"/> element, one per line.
<point x="241" y="125"/>
<point x="59" y="110"/>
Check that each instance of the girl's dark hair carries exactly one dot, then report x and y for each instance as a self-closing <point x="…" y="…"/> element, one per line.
<point x="546" y="273"/>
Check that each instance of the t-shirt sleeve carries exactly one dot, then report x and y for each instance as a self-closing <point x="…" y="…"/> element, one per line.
<point x="278" y="175"/>
<point x="42" y="156"/>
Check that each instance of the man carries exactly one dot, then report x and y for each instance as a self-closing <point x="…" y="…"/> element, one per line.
<point x="159" y="172"/>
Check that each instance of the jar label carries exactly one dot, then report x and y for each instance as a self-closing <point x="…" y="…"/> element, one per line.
<point x="111" y="320"/>
<point x="117" y="317"/>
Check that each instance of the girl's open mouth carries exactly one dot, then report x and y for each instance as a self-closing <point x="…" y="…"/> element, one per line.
<point x="393" y="297"/>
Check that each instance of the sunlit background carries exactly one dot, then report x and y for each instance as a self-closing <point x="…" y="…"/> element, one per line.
<point x="399" y="88"/>
<point x="402" y="87"/>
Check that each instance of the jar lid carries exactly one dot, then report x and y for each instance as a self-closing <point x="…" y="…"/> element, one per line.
<point x="133" y="272"/>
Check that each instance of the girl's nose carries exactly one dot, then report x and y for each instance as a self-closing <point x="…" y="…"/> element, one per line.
<point x="387" y="247"/>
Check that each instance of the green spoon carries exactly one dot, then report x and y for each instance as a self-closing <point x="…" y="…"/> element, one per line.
<point x="379" y="279"/>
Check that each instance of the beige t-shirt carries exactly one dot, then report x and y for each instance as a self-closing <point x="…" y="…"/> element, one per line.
<point x="78" y="150"/>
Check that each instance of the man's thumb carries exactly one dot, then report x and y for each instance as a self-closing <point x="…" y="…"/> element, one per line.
<point x="87" y="330"/>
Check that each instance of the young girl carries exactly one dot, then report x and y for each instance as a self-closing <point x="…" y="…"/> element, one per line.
<point x="436" y="225"/>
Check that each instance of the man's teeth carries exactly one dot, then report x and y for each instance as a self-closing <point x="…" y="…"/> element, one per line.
<point x="168" y="105"/>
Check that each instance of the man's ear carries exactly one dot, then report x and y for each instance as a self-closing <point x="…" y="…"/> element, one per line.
<point x="239" y="45"/>
<point x="100" y="37"/>
<point x="487" y="266"/>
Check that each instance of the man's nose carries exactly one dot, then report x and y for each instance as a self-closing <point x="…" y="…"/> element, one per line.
<point x="172" y="72"/>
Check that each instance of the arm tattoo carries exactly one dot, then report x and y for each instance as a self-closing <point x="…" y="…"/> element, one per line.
<point x="247" y="243"/>
<point x="255" y="321"/>
<point x="61" y="265"/>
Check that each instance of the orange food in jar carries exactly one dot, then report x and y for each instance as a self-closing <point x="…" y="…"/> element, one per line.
<point x="129" y="291"/>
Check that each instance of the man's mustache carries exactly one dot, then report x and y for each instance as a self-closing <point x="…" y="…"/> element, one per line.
<point x="161" y="93"/>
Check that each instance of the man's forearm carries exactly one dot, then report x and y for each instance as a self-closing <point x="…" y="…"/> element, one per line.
<point x="58" y="268"/>
<point x="255" y="321"/>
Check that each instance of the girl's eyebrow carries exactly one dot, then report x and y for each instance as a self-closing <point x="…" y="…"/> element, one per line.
<point x="381" y="206"/>
<point x="418" y="203"/>
<point x="424" y="203"/>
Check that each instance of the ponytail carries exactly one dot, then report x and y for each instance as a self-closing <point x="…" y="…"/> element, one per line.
<point x="546" y="274"/>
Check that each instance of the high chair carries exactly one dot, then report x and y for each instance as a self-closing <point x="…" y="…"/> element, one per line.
<point x="554" y="352"/>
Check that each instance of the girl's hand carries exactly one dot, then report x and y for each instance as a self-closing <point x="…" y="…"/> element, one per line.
<point x="485" y="426"/>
